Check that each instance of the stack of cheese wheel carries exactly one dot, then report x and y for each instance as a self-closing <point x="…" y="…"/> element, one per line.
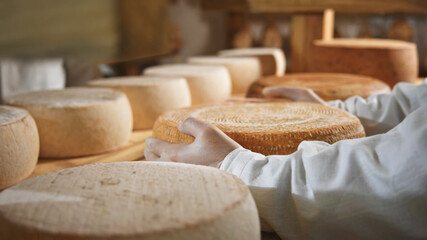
<point x="267" y="128"/>
<point x="130" y="200"/>
<point x="273" y="61"/>
<point x="149" y="96"/>
<point x="78" y="121"/>
<point x="391" y="61"/>
<point x="208" y="84"/>
<point x="19" y="148"/>
<point x="243" y="71"/>
<point x="329" y="86"/>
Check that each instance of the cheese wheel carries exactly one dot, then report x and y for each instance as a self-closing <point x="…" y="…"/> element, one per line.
<point x="208" y="84"/>
<point x="273" y="61"/>
<point x="391" y="61"/>
<point x="329" y="86"/>
<point x="149" y="96"/>
<point x="130" y="200"/>
<point x="77" y="121"/>
<point x="19" y="148"/>
<point x="266" y="128"/>
<point x="243" y="71"/>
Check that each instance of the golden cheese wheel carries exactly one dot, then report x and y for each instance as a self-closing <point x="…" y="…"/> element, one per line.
<point x="329" y="86"/>
<point x="267" y="128"/>
<point x="78" y="121"/>
<point x="273" y="61"/>
<point x="129" y="201"/>
<point x="391" y="61"/>
<point x="19" y="145"/>
<point x="149" y="96"/>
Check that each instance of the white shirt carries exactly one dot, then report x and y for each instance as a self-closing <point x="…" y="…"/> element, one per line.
<point x="367" y="188"/>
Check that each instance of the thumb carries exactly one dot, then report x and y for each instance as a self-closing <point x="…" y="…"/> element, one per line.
<point x="192" y="126"/>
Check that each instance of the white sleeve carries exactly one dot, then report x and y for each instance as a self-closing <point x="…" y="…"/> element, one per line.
<point x="366" y="188"/>
<point x="380" y="113"/>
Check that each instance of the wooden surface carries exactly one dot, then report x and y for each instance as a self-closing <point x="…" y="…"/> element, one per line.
<point x="341" y="6"/>
<point x="134" y="150"/>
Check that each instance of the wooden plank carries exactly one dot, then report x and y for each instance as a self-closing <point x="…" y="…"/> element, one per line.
<point x="328" y="24"/>
<point x="134" y="150"/>
<point x="305" y="29"/>
<point x="340" y="6"/>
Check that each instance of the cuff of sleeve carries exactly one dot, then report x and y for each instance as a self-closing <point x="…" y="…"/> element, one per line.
<point x="236" y="161"/>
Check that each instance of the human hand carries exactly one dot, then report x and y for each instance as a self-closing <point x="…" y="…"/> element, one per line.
<point x="210" y="146"/>
<point x="294" y="93"/>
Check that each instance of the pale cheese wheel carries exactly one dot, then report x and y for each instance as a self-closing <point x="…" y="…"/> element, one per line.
<point x="78" y="121"/>
<point x="273" y="61"/>
<point x="391" y="61"/>
<point x="266" y="128"/>
<point x="130" y="200"/>
<point x="243" y="71"/>
<point x="149" y="96"/>
<point x="208" y="84"/>
<point x="329" y="86"/>
<point x="19" y="148"/>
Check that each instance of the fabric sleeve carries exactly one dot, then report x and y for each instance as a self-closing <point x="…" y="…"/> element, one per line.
<point x="366" y="188"/>
<point x="380" y="113"/>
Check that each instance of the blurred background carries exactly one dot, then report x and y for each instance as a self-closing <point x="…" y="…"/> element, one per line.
<point x="52" y="44"/>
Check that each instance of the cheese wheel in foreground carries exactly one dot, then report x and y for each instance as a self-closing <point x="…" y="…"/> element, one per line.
<point x="78" y="121"/>
<point x="329" y="86"/>
<point x="391" y="61"/>
<point x="130" y="200"/>
<point x="19" y="148"/>
<point x="266" y="128"/>
<point x="243" y="71"/>
<point x="273" y="61"/>
<point x="149" y="96"/>
<point x="208" y="84"/>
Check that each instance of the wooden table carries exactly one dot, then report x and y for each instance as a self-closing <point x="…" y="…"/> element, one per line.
<point x="134" y="150"/>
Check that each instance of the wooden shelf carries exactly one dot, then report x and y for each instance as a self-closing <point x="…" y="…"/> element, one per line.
<point x="134" y="150"/>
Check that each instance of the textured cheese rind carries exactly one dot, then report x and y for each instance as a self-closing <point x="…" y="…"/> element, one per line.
<point x="130" y="200"/>
<point x="266" y="128"/>
<point x="243" y="71"/>
<point x="78" y="121"/>
<point x="391" y="61"/>
<point x="208" y="84"/>
<point x="329" y="86"/>
<point x="19" y="148"/>
<point x="149" y="96"/>
<point x="272" y="60"/>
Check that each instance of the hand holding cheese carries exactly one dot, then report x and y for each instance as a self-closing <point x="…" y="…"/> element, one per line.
<point x="210" y="146"/>
<point x="296" y="94"/>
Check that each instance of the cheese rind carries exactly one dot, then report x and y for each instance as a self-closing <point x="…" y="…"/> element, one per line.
<point x="130" y="200"/>
<point x="329" y="86"/>
<point x="273" y="61"/>
<point x="77" y="121"/>
<point x="149" y="96"/>
<point x="391" y="61"/>
<point x="19" y="146"/>
<point x="243" y="71"/>
<point x="266" y="128"/>
<point x="208" y="84"/>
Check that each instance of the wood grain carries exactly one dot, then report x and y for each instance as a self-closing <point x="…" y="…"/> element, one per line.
<point x="134" y="150"/>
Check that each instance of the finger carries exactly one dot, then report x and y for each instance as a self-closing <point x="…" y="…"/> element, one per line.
<point x="192" y="126"/>
<point x="162" y="148"/>
<point x="284" y="92"/>
<point x="150" y="156"/>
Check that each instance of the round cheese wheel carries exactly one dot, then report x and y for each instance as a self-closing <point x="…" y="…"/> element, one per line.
<point x="243" y="71"/>
<point x="208" y="84"/>
<point x="78" y="121"/>
<point x="130" y="200"/>
<point x="267" y="128"/>
<point x="273" y="61"/>
<point x="329" y="86"/>
<point x="149" y="96"/>
<point x="391" y="61"/>
<point x="19" y="148"/>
